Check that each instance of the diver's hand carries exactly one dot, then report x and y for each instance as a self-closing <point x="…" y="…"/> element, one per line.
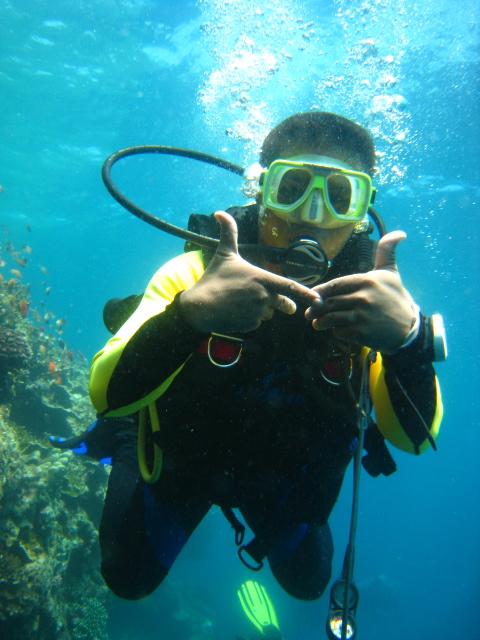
<point x="234" y="296"/>
<point x="372" y="309"/>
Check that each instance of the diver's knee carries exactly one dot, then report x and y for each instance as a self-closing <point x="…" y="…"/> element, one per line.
<point x="305" y="572"/>
<point x="132" y="587"/>
<point x="302" y="585"/>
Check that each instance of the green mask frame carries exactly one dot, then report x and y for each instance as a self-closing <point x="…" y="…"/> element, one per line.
<point x="316" y="190"/>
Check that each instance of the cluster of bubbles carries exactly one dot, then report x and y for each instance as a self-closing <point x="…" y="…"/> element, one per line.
<point x="252" y="83"/>
<point x="365" y="82"/>
<point x="273" y="61"/>
<point x="372" y="61"/>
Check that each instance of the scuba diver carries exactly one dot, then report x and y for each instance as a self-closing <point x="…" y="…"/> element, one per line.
<point x="259" y="609"/>
<point x="234" y="380"/>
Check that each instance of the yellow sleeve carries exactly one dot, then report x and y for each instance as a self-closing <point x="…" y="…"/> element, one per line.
<point x="387" y="420"/>
<point x="175" y="276"/>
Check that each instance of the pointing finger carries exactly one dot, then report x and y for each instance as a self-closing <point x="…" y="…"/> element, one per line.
<point x="387" y="245"/>
<point x="228" y="234"/>
<point x="341" y="286"/>
<point x="288" y="288"/>
<point x="331" y="305"/>
<point x="316" y="309"/>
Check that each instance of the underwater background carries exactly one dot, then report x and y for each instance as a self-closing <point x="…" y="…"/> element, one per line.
<point x="79" y="80"/>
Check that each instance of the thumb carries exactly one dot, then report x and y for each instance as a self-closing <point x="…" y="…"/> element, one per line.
<point x="387" y="245"/>
<point x="228" y="234"/>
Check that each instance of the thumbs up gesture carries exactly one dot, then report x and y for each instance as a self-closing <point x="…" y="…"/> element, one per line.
<point x="372" y="309"/>
<point x="234" y="296"/>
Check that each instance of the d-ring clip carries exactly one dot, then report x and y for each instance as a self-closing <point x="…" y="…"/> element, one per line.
<point x="226" y="347"/>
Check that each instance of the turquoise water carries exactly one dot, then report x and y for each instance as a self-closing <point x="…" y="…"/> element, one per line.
<point x="80" y="80"/>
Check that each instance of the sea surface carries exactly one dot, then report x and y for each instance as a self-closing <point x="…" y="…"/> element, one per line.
<point x="79" y="80"/>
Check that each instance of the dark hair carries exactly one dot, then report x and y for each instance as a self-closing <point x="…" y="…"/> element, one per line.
<point x="322" y="133"/>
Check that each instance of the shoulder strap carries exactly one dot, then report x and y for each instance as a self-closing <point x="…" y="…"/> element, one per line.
<point x="205" y="224"/>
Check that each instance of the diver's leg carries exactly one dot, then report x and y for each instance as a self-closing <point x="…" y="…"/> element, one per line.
<point x="141" y="534"/>
<point x="301" y="560"/>
<point x="299" y="553"/>
<point x="125" y="556"/>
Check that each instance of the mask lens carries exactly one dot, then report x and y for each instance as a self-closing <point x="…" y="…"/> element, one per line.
<point x="292" y="186"/>
<point x="340" y="193"/>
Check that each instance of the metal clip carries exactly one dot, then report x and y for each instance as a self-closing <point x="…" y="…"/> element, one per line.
<point x="226" y="339"/>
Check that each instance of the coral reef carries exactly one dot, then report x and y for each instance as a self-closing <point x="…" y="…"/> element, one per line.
<point x="50" y="502"/>
<point x="15" y="352"/>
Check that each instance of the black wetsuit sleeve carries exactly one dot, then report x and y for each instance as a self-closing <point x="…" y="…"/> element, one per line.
<point x="411" y="382"/>
<point x="158" y="348"/>
<point x="139" y="363"/>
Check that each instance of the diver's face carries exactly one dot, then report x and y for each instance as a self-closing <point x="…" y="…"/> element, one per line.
<point x="281" y="233"/>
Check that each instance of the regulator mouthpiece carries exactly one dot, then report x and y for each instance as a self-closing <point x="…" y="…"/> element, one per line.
<point x="306" y="262"/>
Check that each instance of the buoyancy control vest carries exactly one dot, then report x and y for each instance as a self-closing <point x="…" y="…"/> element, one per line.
<point x="357" y="256"/>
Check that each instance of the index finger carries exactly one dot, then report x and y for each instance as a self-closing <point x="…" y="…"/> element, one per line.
<point x="284" y="286"/>
<point x="341" y="286"/>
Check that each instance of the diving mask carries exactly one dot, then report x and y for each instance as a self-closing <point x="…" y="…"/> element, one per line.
<point x="316" y="190"/>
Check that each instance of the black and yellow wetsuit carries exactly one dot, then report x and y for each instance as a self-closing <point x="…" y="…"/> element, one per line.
<point x="272" y="435"/>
